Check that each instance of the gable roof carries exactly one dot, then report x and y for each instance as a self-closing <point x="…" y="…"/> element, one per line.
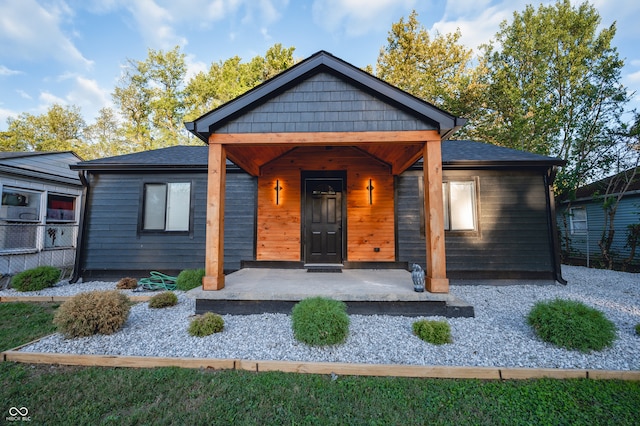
<point x="51" y="166"/>
<point x="321" y="62"/>
<point x="587" y="191"/>
<point x="455" y="154"/>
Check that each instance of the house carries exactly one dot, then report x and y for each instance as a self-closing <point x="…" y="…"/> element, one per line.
<point x="581" y="221"/>
<point x="323" y="166"/>
<point x="39" y="215"/>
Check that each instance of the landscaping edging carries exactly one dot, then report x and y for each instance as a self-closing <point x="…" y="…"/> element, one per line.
<point x="341" y="369"/>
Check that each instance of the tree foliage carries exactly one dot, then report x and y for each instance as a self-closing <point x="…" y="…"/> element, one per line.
<point x="437" y="69"/>
<point x="150" y="96"/>
<point x="553" y="88"/>
<point x="61" y="128"/>
<point x="229" y="79"/>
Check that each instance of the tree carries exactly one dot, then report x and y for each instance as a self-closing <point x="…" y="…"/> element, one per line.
<point x="627" y="155"/>
<point x="105" y="137"/>
<point x="553" y="88"/>
<point x="150" y="96"/>
<point x="229" y="79"/>
<point x="436" y="69"/>
<point x="59" y="129"/>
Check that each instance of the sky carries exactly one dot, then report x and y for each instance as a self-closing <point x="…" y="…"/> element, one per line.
<point x="72" y="52"/>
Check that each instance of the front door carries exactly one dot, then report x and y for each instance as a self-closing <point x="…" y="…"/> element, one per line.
<point x="323" y="220"/>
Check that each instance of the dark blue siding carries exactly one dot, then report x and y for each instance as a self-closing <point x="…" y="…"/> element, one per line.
<point x="113" y="242"/>
<point x="513" y="235"/>
<point x="324" y="103"/>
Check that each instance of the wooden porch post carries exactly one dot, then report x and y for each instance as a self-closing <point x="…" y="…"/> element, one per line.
<point x="436" y="276"/>
<point x="214" y="249"/>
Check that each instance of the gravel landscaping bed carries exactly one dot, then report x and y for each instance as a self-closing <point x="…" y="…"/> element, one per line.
<point x="498" y="336"/>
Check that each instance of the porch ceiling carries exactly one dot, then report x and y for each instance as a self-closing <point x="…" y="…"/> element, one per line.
<point x="251" y="152"/>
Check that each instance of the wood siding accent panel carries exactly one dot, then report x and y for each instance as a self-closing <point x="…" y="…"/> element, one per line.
<point x="513" y="233"/>
<point x="112" y="242"/>
<point x="369" y="226"/>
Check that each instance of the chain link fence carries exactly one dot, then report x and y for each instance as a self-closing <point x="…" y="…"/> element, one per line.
<point x="26" y="245"/>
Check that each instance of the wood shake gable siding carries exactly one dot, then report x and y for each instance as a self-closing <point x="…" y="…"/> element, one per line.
<point x="324" y="103"/>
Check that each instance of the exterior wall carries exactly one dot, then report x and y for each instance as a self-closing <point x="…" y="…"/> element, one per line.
<point x="512" y="240"/>
<point x="368" y="225"/>
<point x="628" y="213"/>
<point x="324" y="103"/>
<point x="42" y="253"/>
<point x="114" y="245"/>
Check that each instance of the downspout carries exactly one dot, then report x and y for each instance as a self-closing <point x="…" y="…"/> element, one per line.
<point x="552" y="225"/>
<point x="83" y="212"/>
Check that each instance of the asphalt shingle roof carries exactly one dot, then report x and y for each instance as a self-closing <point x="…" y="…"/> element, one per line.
<point x="460" y="153"/>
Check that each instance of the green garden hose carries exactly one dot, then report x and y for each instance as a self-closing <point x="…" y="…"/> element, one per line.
<point x="157" y="281"/>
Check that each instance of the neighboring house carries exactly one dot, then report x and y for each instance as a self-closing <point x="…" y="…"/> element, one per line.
<point x="581" y="221"/>
<point x="41" y="198"/>
<point x="323" y="166"/>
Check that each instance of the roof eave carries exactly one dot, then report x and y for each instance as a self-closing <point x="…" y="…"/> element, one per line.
<point x="323" y="61"/>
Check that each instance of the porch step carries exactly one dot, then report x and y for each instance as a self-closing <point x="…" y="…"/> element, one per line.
<point x="324" y="267"/>
<point x="395" y="308"/>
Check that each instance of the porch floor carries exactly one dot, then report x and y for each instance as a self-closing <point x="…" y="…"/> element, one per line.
<point x="365" y="291"/>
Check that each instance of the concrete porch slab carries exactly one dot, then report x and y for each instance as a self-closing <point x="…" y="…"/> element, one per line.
<point x="365" y="291"/>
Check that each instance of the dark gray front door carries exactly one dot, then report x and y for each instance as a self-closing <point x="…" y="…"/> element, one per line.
<point x="323" y="220"/>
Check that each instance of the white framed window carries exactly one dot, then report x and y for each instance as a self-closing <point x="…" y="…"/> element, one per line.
<point x="20" y="216"/>
<point x="167" y="207"/>
<point x="459" y="198"/>
<point x="578" y="220"/>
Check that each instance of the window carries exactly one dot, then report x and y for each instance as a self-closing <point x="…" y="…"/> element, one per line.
<point x="167" y="206"/>
<point x="459" y="206"/>
<point x="578" y="220"/>
<point x="20" y="213"/>
<point x="19" y="205"/>
<point x="61" y="208"/>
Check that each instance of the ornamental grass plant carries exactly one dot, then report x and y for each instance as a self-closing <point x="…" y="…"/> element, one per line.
<point x="95" y="312"/>
<point x="571" y="325"/>
<point x="320" y="321"/>
<point x="432" y="331"/>
<point x="206" y="324"/>
<point x="36" y="279"/>
<point x="127" y="283"/>
<point x="163" y="300"/>
<point x="189" y="279"/>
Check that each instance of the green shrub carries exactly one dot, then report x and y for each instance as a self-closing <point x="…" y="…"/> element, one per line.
<point x="86" y="314"/>
<point x="189" y="278"/>
<point x="431" y="331"/>
<point x="127" y="283"/>
<point x="206" y="324"/>
<point x="164" y="299"/>
<point x="319" y="321"/>
<point x="638" y="329"/>
<point x="36" y="278"/>
<point x="571" y="325"/>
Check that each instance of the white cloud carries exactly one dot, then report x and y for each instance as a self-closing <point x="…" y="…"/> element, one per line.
<point x="7" y="71"/>
<point x="357" y="17"/>
<point x="194" y="67"/>
<point x="89" y="96"/>
<point x="160" y="21"/>
<point x="23" y="94"/>
<point x="478" y="21"/>
<point x="4" y="115"/>
<point x="634" y="77"/>
<point x="47" y="99"/>
<point x="30" y="31"/>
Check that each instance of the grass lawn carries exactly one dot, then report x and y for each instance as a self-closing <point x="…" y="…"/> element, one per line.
<point x="81" y="395"/>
